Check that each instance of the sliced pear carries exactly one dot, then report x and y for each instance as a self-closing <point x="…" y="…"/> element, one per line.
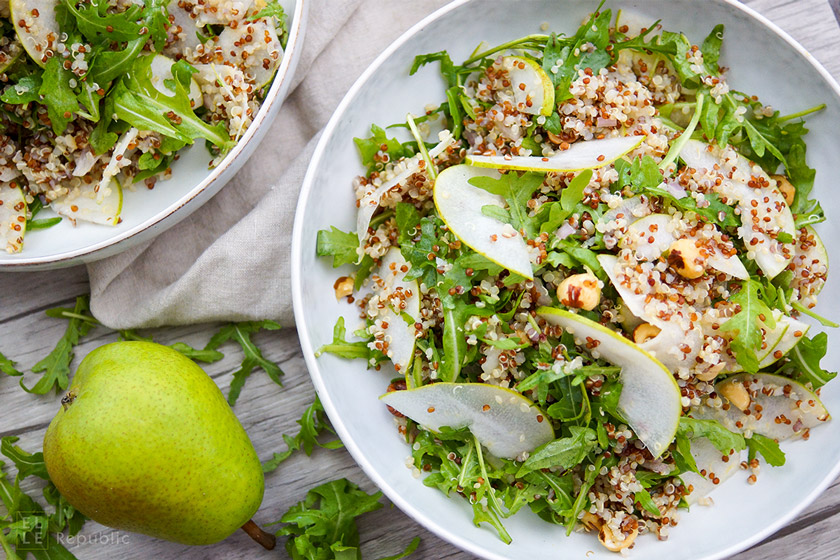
<point x="37" y="34"/>
<point x="505" y="422"/>
<point x="657" y="233"/>
<point x="810" y="261"/>
<point x="260" y="58"/>
<point x="396" y="291"/>
<point x="737" y="184"/>
<point x="650" y="397"/>
<point x="86" y="204"/>
<point x="787" y="408"/>
<point x="585" y="154"/>
<point x="459" y="205"/>
<point x="710" y="461"/>
<point x="532" y="89"/>
<point x="12" y="217"/>
<point x="161" y="69"/>
<point x="372" y="198"/>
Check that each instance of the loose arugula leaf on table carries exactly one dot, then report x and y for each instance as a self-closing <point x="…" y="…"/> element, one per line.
<point x="56" y="366"/>
<point x="323" y="525"/>
<point x="341" y="246"/>
<point x="198" y="355"/>
<point x="747" y="324"/>
<point x="313" y="423"/>
<point x="26" y="528"/>
<point x="724" y="440"/>
<point x="253" y="358"/>
<point x="9" y="367"/>
<point x="768" y="448"/>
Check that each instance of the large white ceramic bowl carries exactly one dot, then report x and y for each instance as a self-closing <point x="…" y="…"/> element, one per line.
<point x="764" y="61"/>
<point x="145" y="213"/>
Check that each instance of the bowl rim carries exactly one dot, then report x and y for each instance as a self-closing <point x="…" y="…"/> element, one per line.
<point x="279" y="86"/>
<point x="421" y="517"/>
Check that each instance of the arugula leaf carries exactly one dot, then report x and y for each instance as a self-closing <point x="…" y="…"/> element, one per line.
<point x="26" y="90"/>
<point x="768" y="448"/>
<point x="274" y="9"/>
<point x="9" y="367"/>
<point x="253" y="358"/>
<point x="323" y="525"/>
<point x="25" y="528"/>
<point x="138" y="102"/>
<point x="26" y="463"/>
<point x="447" y="68"/>
<point x="313" y="423"/>
<point x="805" y="359"/>
<point x="724" y="440"/>
<point x="644" y="499"/>
<point x="517" y="190"/>
<point x="379" y="142"/>
<point x="349" y="350"/>
<point x="57" y="95"/>
<point x="564" y="452"/>
<point x="56" y="366"/>
<point x="711" y="46"/>
<point x="747" y="323"/>
<point x="340" y="245"/>
<point x="682" y="455"/>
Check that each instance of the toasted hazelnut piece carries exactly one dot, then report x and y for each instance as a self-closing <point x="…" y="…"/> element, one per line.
<point x="785" y="187"/>
<point x="710" y="374"/>
<point x="343" y="287"/>
<point x="645" y="332"/>
<point x="590" y="521"/>
<point x="582" y="291"/>
<point x="616" y="543"/>
<point x="736" y="393"/>
<point x="685" y="257"/>
<point x="554" y="139"/>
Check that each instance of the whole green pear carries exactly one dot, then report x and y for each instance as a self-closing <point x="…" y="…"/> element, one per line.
<point x="146" y="442"/>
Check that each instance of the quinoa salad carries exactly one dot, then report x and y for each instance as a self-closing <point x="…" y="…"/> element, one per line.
<point x="100" y="96"/>
<point x="593" y="269"/>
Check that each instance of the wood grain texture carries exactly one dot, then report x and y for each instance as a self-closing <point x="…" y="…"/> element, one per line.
<point x="267" y="411"/>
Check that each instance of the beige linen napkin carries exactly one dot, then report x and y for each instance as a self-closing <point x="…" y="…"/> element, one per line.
<point x="229" y="261"/>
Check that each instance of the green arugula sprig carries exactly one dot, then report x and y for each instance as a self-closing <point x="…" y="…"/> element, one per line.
<point x="55" y="367"/>
<point x="747" y="324"/>
<point x="323" y="525"/>
<point x="25" y="526"/>
<point x="313" y="423"/>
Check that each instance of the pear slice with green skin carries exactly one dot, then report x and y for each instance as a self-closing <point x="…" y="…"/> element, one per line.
<point x="809" y="254"/>
<point x="507" y="423"/>
<point x="708" y="459"/>
<point x="369" y="203"/>
<point x="668" y="346"/>
<point x="84" y="203"/>
<point x="38" y="34"/>
<point x="659" y="236"/>
<point x="586" y="154"/>
<point x="532" y="89"/>
<point x="768" y="391"/>
<point x="12" y="217"/>
<point x="399" y="333"/>
<point x="768" y="251"/>
<point x="459" y="205"/>
<point x="650" y="397"/>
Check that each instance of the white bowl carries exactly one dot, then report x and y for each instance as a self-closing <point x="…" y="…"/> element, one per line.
<point x="147" y="213"/>
<point x="764" y="60"/>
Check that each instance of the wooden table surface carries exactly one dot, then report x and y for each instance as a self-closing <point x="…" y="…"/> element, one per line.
<point x="267" y="411"/>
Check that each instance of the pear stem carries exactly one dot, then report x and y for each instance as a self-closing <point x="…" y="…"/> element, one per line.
<point x="266" y="540"/>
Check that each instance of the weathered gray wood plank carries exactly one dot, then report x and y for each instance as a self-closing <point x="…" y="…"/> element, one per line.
<point x="267" y="411"/>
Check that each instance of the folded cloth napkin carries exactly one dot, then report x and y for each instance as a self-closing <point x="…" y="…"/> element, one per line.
<point x="230" y="260"/>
